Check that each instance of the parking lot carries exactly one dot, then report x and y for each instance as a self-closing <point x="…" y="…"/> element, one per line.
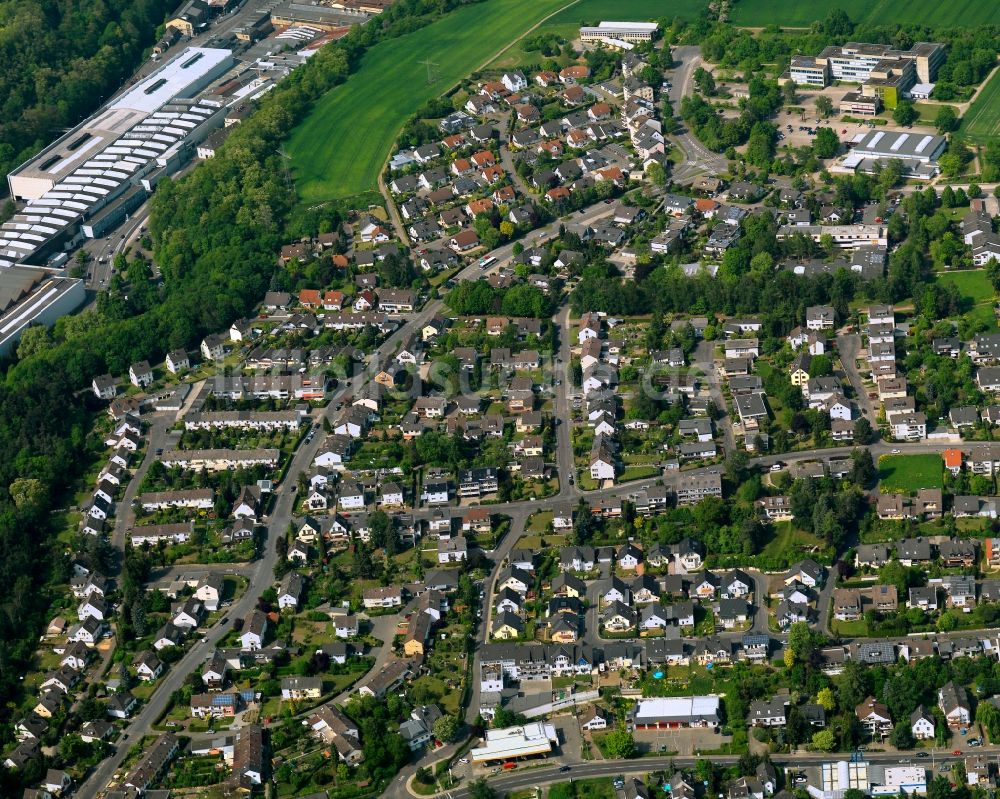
<point x="685" y="742"/>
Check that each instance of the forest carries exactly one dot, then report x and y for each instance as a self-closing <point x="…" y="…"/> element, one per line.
<point x="59" y="59"/>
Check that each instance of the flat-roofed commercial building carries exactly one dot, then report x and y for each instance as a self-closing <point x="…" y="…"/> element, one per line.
<point x="322" y="17"/>
<point x="858" y="104"/>
<point x="622" y="31"/>
<point x="182" y="77"/>
<point x="101" y="161"/>
<point x="846" y="237"/>
<point x="55" y="297"/>
<point x="528" y="740"/>
<point x="665" y="713"/>
<point x="917" y="152"/>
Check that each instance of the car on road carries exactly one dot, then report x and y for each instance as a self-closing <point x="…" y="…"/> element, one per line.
<point x="509" y="765"/>
<point x="895" y="452"/>
<point x="463" y="760"/>
<point x="777" y="466"/>
<point x="225" y="619"/>
<point x="923" y="755"/>
<point x="564" y="769"/>
<point x="159" y="451"/>
<point x="957" y="753"/>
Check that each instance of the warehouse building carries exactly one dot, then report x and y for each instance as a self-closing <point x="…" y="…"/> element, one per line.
<point x="673" y="712"/>
<point x="320" y="17"/>
<point x="529" y="740"/>
<point x="53" y="297"/>
<point x="72" y="185"/>
<point x="182" y="77"/>
<point x="917" y="152"/>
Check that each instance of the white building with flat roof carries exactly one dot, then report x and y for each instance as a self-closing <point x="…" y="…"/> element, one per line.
<point x="622" y="31"/>
<point x="528" y="740"/>
<point x="664" y="713"/>
<point x="890" y="780"/>
<point x="181" y="77"/>
<point x="917" y="152"/>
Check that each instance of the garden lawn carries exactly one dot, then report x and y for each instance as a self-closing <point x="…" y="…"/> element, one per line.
<point x="909" y="473"/>
<point x="973" y="284"/>
<point x="787" y="538"/>
<point x="342" y="145"/>
<point x="932" y="13"/>
<point x="982" y="119"/>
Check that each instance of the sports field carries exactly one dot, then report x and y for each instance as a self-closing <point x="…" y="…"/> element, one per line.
<point x="982" y="120"/>
<point x="909" y="473"/>
<point x="342" y="145"/>
<point x="933" y="13"/>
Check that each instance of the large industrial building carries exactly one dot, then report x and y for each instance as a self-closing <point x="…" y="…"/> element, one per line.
<point x="917" y="152"/>
<point x="883" y="72"/>
<point x="32" y="296"/>
<point x="86" y="183"/>
<point x="72" y="185"/>
<point x="321" y="18"/>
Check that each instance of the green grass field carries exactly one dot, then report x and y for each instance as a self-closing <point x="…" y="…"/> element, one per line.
<point x="977" y="293"/>
<point x="973" y="284"/>
<point x="339" y="149"/>
<point x="631" y="10"/>
<point x="788" y="539"/>
<point x="792" y="13"/>
<point x="982" y="120"/>
<point x="909" y="473"/>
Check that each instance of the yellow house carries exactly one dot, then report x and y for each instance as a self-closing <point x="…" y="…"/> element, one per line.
<point x="506" y="626"/>
<point x="413" y="647"/>
<point x="417" y="633"/>
<point x="799" y="370"/>
<point x="566" y="584"/>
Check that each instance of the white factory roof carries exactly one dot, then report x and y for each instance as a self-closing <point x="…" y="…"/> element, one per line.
<point x="898" y="144"/>
<point x="676" y="707"/>
<point x="535" y="738"/>
<point x="174" y="79"/>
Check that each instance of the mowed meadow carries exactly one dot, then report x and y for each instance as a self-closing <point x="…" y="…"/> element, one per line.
<point x="933" y="13"/>
<point x="340" y="148"/>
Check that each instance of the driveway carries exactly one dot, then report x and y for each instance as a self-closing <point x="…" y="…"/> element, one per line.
<point x="848" y="346"/>
<point x="704" y="359"/>
<point x="698" y="159"/>
<point x="158" y="438"/>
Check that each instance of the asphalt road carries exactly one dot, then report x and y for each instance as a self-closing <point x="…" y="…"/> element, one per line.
<point x="848" y="346"/>
<point x="545" y="775"/>
<point x="699" y="160"/>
